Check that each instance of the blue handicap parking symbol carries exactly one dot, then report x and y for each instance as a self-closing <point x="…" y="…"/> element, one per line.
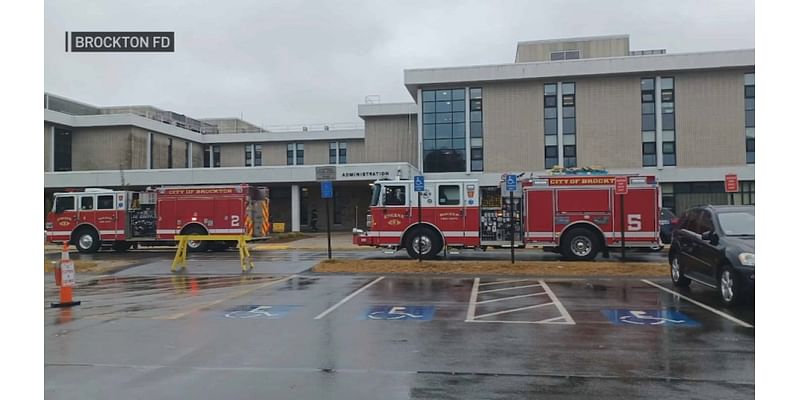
<point x="399" y="313"/>
<point x="258" y="311"/>
<point x="649" y="317"/>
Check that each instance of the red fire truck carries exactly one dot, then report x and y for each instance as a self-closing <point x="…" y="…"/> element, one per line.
<point x="119" y="218"/>
<point x="575" y="215"/>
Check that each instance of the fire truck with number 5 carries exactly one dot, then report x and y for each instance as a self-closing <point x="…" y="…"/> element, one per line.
<point x="120" y="218"/>
<point x="575" y="215"/>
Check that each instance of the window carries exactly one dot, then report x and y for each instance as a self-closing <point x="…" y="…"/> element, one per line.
<point x="649" y="158"/>
<point x="66" y="203"/>
<point x="169" y="153"/>
<point x="295" y="154"/>
<point x="449" y="195"/>
<point x="704" y="224"/>
<point x="342" y="152"/>
<point x="211" y="157"/>
<point x="252" y="155"/>
<point x="105" y="202"/>
<point x="394" y="196"/>
<point x="550" y="125"/>
<point x="443" y="130"/>
<point x="668" y="121"/>
<point x="337" y="152"/>
<point x="62" y="150"/>
<point x="87" y="203"/>
<point x="750" y="117"/>
<point x="187" y="155"/>
<point x="565" y="55"/>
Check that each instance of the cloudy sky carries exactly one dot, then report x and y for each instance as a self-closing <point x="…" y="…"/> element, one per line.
<point x="295" y="62"/>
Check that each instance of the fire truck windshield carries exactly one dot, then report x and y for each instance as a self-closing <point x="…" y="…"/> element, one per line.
<point x="376" y="194"/>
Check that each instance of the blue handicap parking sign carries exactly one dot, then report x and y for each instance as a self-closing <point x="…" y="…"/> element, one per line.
<point x="419" y="183"/>
<point x="649" y="317"/>
<point x="511" y="183"/>
<point x="258" y="311"/>
<point x="327" y="190"/>
<point x="399" y="313"/>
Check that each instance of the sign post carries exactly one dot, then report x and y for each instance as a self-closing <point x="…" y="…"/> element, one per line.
<point x="731" y="185"/>
<point x="511" y="187"/>
<point x="621" y="188"/>
<point x="419" y="187"/>
<point x="327" y="194"/>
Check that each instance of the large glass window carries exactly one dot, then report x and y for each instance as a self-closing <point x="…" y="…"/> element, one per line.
<point x="295" y="155"/>
<point x="568" y="124"/>
<point x="211" y="156"/>
<point x="87" y="203"/>
<point x="444" y="129"/>
<point x="449" y="195"/>
<point x="337" y="152"/>
<point x="105" y="202"/>
<point x="550" y="125"/>
<point x="65" y="203"/>
<point x="750" y="117"/>
<point x="648" y="122"/>
<point x="668" y="121"/>
<point x="62" y="150"/>
<point x="394" y="196"/>
<point x="252" y="155"/>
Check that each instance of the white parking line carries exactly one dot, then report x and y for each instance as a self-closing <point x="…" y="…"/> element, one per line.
<point x="513" y="309"/>
<point x="560" y="306"/>
<point x="715" y="311"/>
<point x="509" y="281"/>
<point x="344" y="300"/>
<point x="473" y="298"/>
<point x="507" y="288"/>
<point x="563" y="319"/>
<point x="511" y="298"/>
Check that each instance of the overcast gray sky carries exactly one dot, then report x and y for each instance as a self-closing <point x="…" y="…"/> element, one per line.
<point x="294" y="62"/>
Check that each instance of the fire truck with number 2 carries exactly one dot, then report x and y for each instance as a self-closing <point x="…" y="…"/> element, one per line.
<point x="120" y="218"/>
<point x="575" y="215"/>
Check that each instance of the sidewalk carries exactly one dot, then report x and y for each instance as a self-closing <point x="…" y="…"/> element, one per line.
<point x="314" y="241"/>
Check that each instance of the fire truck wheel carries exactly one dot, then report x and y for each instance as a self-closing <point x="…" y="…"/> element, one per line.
<point x="580" y="244"/>
<point x="198" y="246"/>
<point x="426" y="239"/>
<point x="87" y="241"/>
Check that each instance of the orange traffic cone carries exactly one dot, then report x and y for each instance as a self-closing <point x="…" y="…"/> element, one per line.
<point x="65" y="279"/>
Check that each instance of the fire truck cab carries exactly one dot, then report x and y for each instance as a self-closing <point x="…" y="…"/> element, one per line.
<point x="577" y="216"/>
<point x="120" y="218"/>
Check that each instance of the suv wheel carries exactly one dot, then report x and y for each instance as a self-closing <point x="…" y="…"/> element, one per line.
<point x="729" y="288"/>
<point x="676" y="272"/>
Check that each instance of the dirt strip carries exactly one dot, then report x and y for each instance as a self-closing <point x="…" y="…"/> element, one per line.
<point x="541" y="268"/>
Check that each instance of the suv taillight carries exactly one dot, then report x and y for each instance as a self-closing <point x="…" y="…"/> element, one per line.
<point x="674" y="221"/>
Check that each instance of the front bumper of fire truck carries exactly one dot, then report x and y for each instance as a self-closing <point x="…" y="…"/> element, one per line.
<point x="362" y="238"/>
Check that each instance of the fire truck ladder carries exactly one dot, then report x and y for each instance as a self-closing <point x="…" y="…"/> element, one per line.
<point x="241" y="242"/>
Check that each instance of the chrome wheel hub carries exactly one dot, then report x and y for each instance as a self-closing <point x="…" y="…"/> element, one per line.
<point x="676" y="270"/>
<point x="581" y="246"/>
<point x="422" y="244"/>
<point x="86" y="241"/>
<point x="726" y="285"/>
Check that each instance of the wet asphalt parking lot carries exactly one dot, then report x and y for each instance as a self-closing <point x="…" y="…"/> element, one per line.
<point x="282" y="331"/>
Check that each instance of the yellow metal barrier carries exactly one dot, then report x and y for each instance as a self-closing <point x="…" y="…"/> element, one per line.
<point x="241" y="242"/>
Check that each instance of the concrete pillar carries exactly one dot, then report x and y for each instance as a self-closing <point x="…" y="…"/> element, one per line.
<point x="295" y="208"/>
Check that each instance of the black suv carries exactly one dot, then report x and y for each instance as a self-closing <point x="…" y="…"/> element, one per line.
<point x="715" y="246"/>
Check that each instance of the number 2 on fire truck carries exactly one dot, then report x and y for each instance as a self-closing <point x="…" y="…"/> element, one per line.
<point x="234" y="220"/>
<point x="634" y="222"/>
